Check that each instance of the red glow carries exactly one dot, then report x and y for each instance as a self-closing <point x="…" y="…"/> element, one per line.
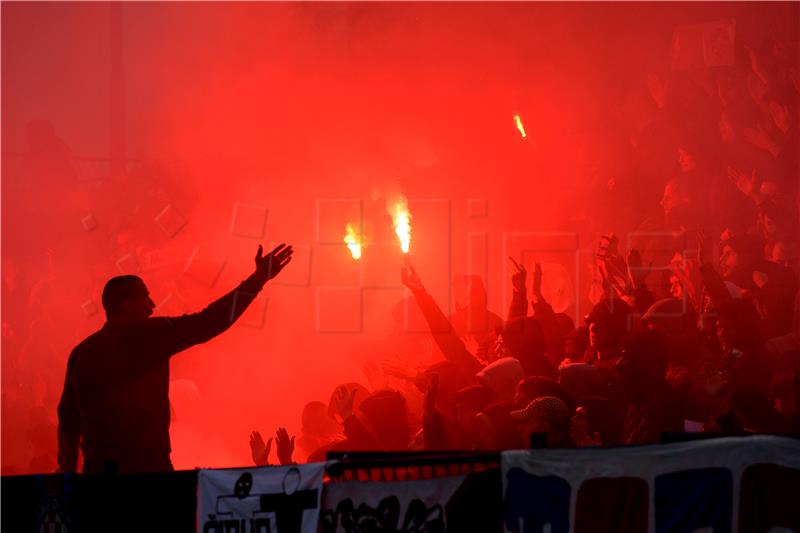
<point x="234" y="124"/>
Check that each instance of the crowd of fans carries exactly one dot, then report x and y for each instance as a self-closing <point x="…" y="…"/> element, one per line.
<point x="695" y="327"/>
<point x="679" y="338"/>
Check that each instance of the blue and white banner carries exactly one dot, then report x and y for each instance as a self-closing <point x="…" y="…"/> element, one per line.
<point x="280" y="499"/>
<point x="721" y="485"/>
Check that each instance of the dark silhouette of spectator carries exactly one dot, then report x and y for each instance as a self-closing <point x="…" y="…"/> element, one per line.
<point x="317" y="427"/>
<point x="472" y="320"/>
<point x="498" y="429"/>
<point x="609" y="322"/>
<point x="443" y="333"/>
<point x="653" y="407"/>
<point x="115" y="397"/>
<point x="549" y="415"/>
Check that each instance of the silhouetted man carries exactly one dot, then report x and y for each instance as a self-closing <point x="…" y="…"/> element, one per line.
<point x="115" y="401"/>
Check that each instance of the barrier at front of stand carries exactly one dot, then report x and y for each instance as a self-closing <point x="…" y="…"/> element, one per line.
<point x="425" y="492"/>
<point x="749" y="484"/>
<point x="78" y="503"/>
<point x="260" y="500"/>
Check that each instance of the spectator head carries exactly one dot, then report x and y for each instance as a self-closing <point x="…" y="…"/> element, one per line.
<point x="548" y="415"/>
<point x="523" y="339"/>
<point x="609" y="321"/>
<point x="738" y="326"/>
<point x="385" y="412"/>
<point x="676" y="195"/>
<point x="576" y="342"/>
<point x="315" y="420"/>
<point x="686" y="159"/>
<point x="534" y="387"/>
<point x="738" y="256"/>
<point x="126" y="299"/>
<point x="670" y="316"/>
<point x="581" y="379"/>
<point x="502" y="377"/>
<point x="777" y="219"/>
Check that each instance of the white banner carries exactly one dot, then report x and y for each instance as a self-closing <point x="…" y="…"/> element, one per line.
<point x="272" y="499"/>
<point x="720" y="485"/>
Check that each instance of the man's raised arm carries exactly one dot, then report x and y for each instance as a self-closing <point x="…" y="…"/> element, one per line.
<point x="184" y="331"/>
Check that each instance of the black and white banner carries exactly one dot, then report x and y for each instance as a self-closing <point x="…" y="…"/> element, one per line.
<point x="458" y="503"/>
<point x="720" y="485"/>
<point x="281" y="499"/>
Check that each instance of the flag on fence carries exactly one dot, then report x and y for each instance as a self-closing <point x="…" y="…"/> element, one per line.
<point x="283" y="499"/>
<point x="720" y="485"/>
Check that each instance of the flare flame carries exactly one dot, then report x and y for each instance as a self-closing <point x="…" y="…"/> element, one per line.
<point x="353" y="242"/>
<point x="401" y="220"/>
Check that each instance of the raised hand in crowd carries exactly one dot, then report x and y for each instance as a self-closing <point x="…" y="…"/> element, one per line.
<point x="756" y="65"/>
<point x="284" y="446"/>
<point x="746" y="183"/>
<point x="537" y="283"/>
<point x="342" y="402"/>
<point x="399" y="369"/>
<point x="259" y="450"/>
<point x="610" y="264"/>
<point x="270" y="265"/>
<point x="519" y="276"/>
<point x="375" y="376"/>
<point x="637" y="273"/>
<point x="759" y="138"/>
<point x="410" y="278"/>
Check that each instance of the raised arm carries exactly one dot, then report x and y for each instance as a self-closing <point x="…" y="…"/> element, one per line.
<point x="449" y="343"/>
<point x="637" y="273"/>
<point x="179" y="333"/>
<point x="519" y="298"/>
<point x="713" y="282"/>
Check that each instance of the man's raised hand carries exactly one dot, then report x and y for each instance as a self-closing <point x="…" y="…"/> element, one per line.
<point x="410" y="278"/>
<point x="268" y="266"/>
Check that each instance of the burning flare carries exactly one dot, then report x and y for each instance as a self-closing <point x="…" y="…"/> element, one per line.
<point x="353" y="242"/>
<point x="520" y="127"/>
<point x="401" y="220"/>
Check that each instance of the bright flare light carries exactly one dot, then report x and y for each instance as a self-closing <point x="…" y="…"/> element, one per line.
<point x="520" y="127"/>
<point x="353" y="242"/>
<point x="401" y="220"/>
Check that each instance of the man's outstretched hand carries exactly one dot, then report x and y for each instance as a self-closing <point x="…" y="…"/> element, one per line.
<point x="268" y="266"/>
